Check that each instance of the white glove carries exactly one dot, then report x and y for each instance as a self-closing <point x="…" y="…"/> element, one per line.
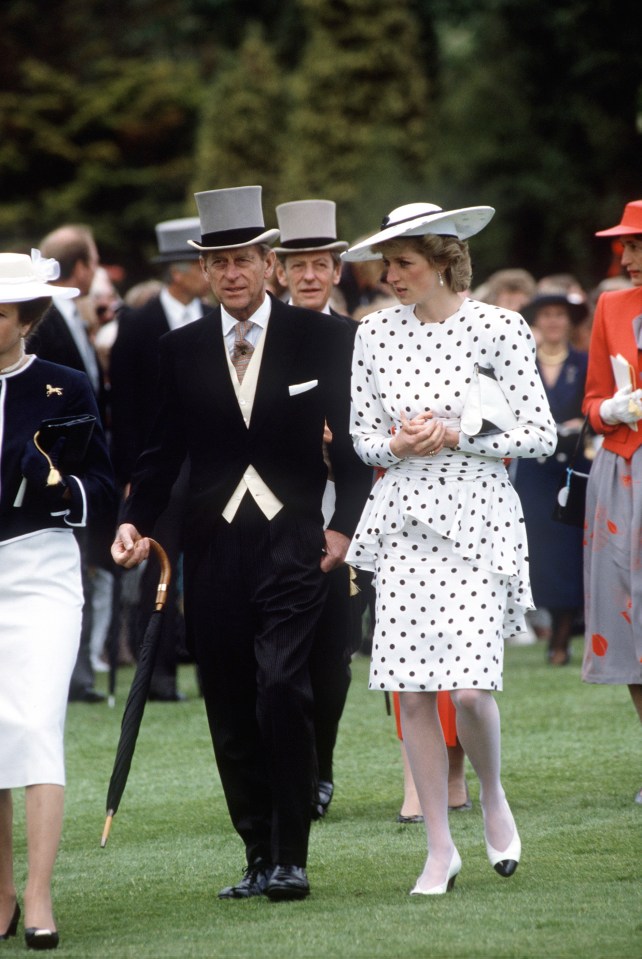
<point x="623" y="407"/>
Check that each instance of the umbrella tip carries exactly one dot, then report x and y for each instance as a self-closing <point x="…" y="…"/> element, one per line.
<point x="106" y="829"/>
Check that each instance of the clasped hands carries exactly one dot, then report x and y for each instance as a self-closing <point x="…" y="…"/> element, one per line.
<point x="625" y="406"/>
<point x="423" y="435"/>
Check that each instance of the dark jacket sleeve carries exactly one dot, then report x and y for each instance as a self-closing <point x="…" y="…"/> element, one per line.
<point x="352" y="477"/>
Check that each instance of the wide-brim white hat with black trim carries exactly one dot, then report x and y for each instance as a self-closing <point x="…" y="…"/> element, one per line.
<point x="231" y="218"/>
<point x="308" y="226"/>
<point x="24" y="278"/>
<point x="418" y="219"/>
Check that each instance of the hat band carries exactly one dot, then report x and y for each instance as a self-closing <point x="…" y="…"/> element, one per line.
<point x="232" y="237"/>
<point x="386" y="222"/>
<point x="305" y="242"/>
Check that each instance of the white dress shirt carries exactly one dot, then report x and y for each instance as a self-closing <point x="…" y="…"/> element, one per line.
<point x="263" y="496"/>
<point x="76" y="325"/>
<point x="179" y="314"/>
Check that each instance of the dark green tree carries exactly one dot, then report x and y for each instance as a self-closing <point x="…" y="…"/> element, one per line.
<point x="357" y="127"/>
<point x="114" y="151"/>
<point x="540" y="109"/>
<point x="240" y="131"/>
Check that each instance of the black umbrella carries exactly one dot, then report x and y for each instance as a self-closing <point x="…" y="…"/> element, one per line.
<point x="138" y="693"/>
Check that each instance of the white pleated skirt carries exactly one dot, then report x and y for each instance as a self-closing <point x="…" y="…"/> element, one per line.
<point x="41" y="602"/>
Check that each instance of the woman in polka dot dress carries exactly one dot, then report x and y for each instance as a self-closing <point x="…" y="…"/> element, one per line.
<point x="443" y="530"/>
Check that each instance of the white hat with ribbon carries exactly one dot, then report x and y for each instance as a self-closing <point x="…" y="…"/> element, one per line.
<point x="24" y="277"/>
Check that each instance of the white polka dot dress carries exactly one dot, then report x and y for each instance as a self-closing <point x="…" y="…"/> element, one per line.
<point x="444" y="535"/>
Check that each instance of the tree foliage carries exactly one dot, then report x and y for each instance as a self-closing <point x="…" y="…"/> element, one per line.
<point x="240" y="130"/>
<point x="114" y="113"/>
<point x="357" y="128"/>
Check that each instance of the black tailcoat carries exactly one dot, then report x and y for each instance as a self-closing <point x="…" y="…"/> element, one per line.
<point x="253" y="588"/>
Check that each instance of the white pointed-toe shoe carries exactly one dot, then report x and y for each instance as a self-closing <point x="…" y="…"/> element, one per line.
<point x="506" y="862"/>
<point x="453" y="871"/>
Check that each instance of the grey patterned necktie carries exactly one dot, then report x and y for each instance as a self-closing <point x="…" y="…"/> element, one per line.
<point x="243" y="349"/>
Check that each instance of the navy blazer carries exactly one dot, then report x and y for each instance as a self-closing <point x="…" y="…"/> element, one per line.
<point x="52" y="340"/>
<point x="133" y="373"/>
<point x="38" y="391"/>
<point x="199" y="416"/>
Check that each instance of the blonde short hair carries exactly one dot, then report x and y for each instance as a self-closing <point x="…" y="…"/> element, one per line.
<point x="446" y="254"/>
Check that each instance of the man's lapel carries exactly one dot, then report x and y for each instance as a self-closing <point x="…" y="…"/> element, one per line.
<point x="282" y="341"/>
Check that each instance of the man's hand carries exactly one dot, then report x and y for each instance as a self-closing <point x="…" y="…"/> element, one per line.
<point x="129" y="548"/>
<point x="336" y="547"/>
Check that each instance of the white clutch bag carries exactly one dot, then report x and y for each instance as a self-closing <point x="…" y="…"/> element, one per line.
<point x="486" y="409"/>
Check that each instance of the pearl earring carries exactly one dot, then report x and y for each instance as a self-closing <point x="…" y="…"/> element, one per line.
<point x="441" y="279"/>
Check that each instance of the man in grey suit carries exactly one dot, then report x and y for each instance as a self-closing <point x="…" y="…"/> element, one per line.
<point x="246" y="393"/>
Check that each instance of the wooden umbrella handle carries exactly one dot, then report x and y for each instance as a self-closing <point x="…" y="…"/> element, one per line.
<point x="165" y="573"/>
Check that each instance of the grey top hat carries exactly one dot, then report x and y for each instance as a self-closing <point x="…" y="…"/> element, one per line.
<point x="172" y="237"/>
<point x="231" y="218"/>
<point x="308" y="225"/>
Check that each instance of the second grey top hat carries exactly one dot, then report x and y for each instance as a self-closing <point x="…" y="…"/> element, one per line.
<point x="173" y="236"/>
<point x="231" y="218"/>
<point x="308" y="225"/>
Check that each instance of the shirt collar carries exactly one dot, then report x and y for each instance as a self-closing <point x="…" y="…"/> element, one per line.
<point x="260" y="316"/>
<point x="178" y="313"/>
<point x="67" y="308"/>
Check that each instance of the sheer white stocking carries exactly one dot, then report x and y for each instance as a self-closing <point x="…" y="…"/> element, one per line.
<point x="428" y="758"/>
<point x="478" y="728"/>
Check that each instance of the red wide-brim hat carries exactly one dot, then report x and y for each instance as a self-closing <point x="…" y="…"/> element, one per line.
<point x="631" y="221"/>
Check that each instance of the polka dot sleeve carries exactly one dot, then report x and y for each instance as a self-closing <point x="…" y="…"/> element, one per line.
<point x="507" y="345"/>
<point x="370" y="424"/>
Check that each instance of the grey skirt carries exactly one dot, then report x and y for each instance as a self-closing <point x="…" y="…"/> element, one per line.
<point x="613" y="571"/>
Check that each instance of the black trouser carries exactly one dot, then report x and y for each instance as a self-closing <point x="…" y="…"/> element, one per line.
<point x="337" y="636"/>
<point x="253" y="596"/>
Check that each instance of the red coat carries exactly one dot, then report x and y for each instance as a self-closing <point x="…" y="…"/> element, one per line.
<point x="613" y="333"/>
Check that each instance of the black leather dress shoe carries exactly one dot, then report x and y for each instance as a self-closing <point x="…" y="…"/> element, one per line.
<point x="172" y="696"/>
<point x="324" y="798"/>
<point x="88" y="696"/>
<point x="287" y="882"/>
<point x="254" y="881"/>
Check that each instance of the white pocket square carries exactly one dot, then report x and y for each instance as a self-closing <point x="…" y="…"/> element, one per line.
<point x="297" y="388"/>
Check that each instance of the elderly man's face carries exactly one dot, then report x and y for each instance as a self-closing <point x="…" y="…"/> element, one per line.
<point x="237" y="278"/>
<point x="310" y="277"/>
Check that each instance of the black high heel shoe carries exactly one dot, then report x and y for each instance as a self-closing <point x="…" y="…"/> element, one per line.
<point x="41" y="938"/>
<point x="12" y="928"/>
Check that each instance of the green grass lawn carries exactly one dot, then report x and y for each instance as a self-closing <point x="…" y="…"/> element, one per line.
<point x="571" y="768"/>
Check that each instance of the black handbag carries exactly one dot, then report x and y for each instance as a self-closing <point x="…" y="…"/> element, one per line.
<point x="76" y="432"/>
<point x="570" y="503"/>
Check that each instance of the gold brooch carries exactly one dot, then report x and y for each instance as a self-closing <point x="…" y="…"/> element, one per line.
<point x="54" y="390"/>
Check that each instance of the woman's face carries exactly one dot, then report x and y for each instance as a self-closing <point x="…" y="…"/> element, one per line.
<point x="12" y="332"/>
<point x="632" y="258"/>
<point x="553" y="324"/>
<point x="412" y="278"/>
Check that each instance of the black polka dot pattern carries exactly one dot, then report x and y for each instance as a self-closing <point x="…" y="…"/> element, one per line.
<point x="445" y="534"/>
